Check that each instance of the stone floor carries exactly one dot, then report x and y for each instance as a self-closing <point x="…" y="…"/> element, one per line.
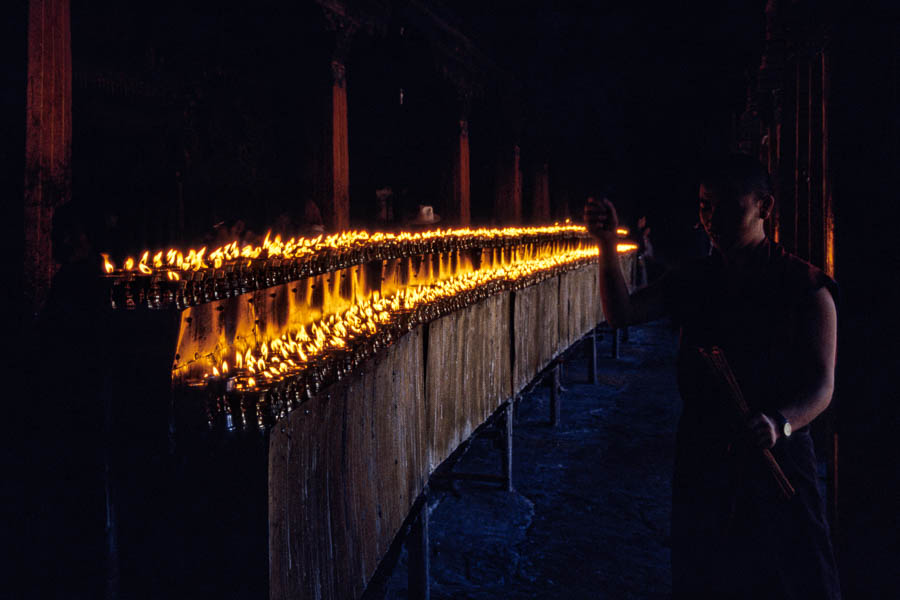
<point x="589" y="516"/>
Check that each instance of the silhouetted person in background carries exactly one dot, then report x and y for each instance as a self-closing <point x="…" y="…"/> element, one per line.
<point x="69" y="358"/>
<point x="652" y="268"/>
<point x="774" y="317"/>
<point x="383" y="218"/>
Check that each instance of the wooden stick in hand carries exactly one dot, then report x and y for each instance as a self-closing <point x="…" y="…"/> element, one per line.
<point x="724" y="378"/>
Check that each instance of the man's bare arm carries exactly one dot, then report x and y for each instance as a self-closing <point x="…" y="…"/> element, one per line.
<point x="619" y="307"/>
<point x="817" y="350"/>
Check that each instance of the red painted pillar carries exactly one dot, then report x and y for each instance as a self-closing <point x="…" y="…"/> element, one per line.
<point x="48" y="139"/>
<point x="461" y="209"/>
<point x="336" y="209"/>
<point x="508" y="201"/>
<point x="540" y="208"/>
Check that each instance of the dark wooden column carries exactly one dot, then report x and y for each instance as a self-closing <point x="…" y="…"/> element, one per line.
<point x="827" y="203"/>
<point x="801" y="166"/>
<point x="794" y="84"/>
<point x="337" y="212"/>
<point x="508" y="199"/>
<point x="333" y="188"/>
<point x="540" y="193"/>
<point x="48" y="139"/>
<point x="776" y="97"/>
<point x="460" y="207"/>
<point x="457" y="193"/>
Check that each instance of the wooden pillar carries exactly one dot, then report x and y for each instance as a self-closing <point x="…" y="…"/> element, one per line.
<point x="460" y="210"/>
<point x="775" y="168"/>
<point x="336" y="200"/>
<point x="826" y="169"/>
<point x="540" y="206"/>
<point x="771" y="162"/>
<point x="419" y="573"/>
<point x="508" y="199"/>
<point x="48" y="139"/>
<point x="333" y="187"/>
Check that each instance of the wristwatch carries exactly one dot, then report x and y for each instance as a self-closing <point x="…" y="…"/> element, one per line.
<point x="784" y="426"/>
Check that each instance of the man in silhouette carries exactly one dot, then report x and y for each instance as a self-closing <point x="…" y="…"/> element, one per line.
<point x="774" y="317"/>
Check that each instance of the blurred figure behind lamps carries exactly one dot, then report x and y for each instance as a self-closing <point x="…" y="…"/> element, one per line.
<point x="383" y="214"/>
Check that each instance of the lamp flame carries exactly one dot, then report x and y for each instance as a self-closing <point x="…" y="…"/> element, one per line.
<point x="283" y="356"/>
<point x="142" y="266"/>
<point x="293" y="247"/>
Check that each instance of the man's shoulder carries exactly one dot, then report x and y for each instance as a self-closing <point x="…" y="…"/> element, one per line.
<point x="798" y="276"/>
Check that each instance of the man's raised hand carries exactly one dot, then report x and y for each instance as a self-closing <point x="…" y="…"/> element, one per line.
<point x="601" y="219"/>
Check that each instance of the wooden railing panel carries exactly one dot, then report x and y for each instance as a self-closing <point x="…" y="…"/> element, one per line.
<point x="346" y="467"/>
<point x="344" y="471"/>
<point x="536" y="330"/>
<point x="467" y="373"/>
<point x="364" y="525"/>
<point x="579" y="304"/>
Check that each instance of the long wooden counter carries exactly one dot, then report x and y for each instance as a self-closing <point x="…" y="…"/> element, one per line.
<point x="345" y="469"/>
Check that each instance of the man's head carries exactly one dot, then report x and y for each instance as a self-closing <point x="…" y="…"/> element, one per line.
<point x="735" y="200"/>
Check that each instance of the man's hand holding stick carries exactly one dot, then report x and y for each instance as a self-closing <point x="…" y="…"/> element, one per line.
<point x="718" y="366"/>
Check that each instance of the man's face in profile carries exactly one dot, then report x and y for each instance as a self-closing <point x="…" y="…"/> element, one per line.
<point x="729" y="220"/>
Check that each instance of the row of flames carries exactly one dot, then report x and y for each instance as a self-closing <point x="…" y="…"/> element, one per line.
<point x="275" y="358"/>
<point x="174" y="261"/>
<point x="273" y="361"/>
<point x="257" y="382"/>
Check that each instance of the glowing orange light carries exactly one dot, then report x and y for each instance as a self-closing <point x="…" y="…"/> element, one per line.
<point x="291" y="351"/>
<point x="142" y="266"/>
<point x="107" y="266"/>
<point x="622" y="231"/>
<point x="623" y="248"/>
<point x="279" y="247"/>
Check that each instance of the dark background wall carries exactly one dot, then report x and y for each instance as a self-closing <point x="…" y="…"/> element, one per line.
<point x="866" y="146"/>
<point x="627" y="96"/>
<point x="14" y="44"/>
<point x="188" y="114"/>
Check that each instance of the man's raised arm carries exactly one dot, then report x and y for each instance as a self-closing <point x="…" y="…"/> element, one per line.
<point x="620" y="307"/>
